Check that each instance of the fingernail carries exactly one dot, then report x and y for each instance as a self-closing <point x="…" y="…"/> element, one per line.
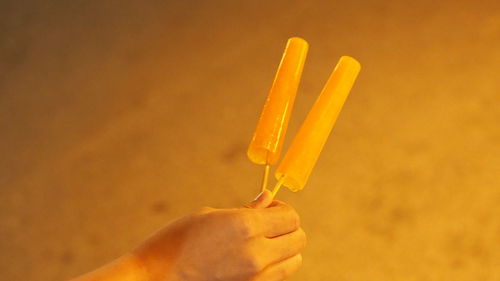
<point x="258" y="196"/>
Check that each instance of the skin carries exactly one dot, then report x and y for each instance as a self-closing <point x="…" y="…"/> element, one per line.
<point x="258" y="242"/>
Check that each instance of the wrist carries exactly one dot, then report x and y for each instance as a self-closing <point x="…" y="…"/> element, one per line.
<point x="150" y="267"/>
<point x="125" y="268"/>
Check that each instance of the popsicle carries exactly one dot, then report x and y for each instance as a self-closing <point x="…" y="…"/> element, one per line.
<point x="266" y="143"/>
<point x="298" y="162"/>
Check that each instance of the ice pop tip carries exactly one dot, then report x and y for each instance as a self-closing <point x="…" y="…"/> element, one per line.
<point x="298" y="40"/>
<point x="351" y="61"/>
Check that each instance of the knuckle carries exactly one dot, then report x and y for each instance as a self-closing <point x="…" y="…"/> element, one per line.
<point x="302" y="237"/>
<point x="282" y="273"/>
<point x="285" y="271"/>
<point x="243" y="225"/>
<point x="299" y="261"/>
<point x="289" y="209"/>
<point x="292" y="214"/>
<point x="252" y="264"/>
<point x="251" y="260"/>
<point x="206" y="217"/>
<point x="296" y="217"/>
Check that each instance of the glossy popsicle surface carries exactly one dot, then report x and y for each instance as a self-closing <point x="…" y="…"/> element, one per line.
<point x="268" y="137"/>
<point x="296" y="166"/>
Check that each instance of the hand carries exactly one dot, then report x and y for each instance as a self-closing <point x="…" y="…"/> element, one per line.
<point x="259" y="242"/>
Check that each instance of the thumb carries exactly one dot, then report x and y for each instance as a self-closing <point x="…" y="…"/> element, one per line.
<point x="261" y="201"/>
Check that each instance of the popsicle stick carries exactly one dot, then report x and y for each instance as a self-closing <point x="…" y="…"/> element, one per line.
<point x="265" y="178"/>
<point x="277" y="186"/>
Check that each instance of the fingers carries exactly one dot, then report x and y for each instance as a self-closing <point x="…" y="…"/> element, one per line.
<point x="278" y="219"/>
<point x="283" y="247"/>
<point x="282" y="270"/>
<point x="261" y="201"/>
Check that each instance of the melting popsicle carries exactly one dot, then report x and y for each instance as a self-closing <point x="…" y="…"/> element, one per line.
<point x="299" y="160"/>
<point x="265" y="146"/>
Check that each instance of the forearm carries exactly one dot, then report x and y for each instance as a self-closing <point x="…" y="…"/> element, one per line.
<point x="125" y="268"/>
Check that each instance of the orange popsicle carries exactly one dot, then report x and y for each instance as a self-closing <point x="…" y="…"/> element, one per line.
<point x="299" y="160"/>
<point x="268" y="138"/>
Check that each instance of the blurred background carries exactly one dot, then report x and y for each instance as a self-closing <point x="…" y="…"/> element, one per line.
<point x="118" y="116"/>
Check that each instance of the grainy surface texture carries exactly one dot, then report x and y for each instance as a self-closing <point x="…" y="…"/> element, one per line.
<point x="118" y="116"/>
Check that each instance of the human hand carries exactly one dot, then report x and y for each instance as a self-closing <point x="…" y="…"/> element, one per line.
<point x="259" y="242"/>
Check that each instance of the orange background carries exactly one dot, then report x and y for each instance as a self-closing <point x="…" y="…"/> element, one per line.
<point x="117" y="116"/>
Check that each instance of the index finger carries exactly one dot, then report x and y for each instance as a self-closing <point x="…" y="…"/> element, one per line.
<point x="278" y="219"/>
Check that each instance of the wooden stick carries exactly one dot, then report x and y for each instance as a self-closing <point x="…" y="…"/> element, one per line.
<point x="265" y="178"/>
<point x="277" y="186"/>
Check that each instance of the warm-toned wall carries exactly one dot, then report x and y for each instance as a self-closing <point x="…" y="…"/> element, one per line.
<point x="117" y="116"/>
